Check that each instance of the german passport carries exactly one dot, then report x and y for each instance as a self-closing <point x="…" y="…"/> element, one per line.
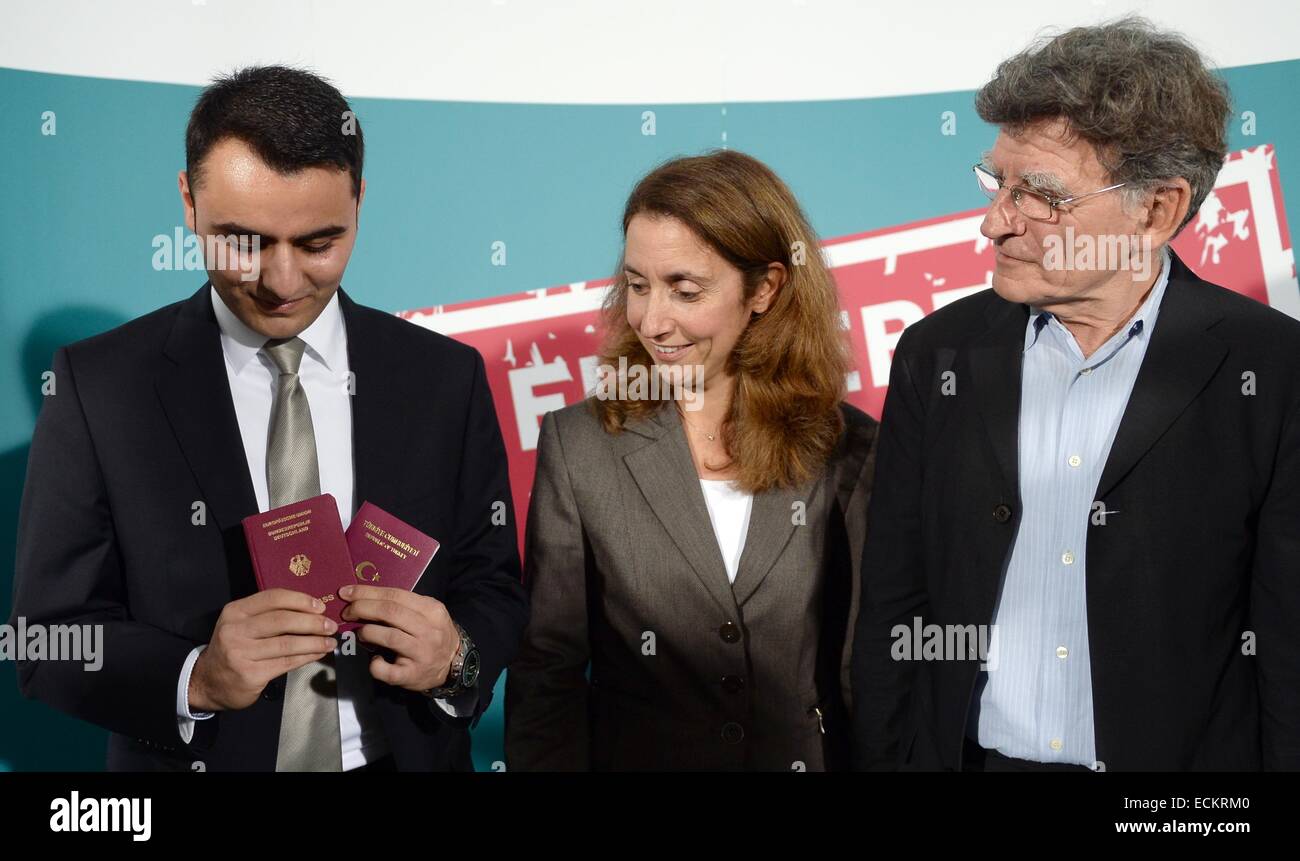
<point x="301" y="546"/>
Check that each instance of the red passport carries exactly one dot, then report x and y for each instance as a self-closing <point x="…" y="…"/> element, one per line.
<point x="386" y="551"/>
<point x="301" y="546"/>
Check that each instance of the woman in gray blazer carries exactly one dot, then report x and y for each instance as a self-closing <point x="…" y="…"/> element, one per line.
<point x="696" y="525"/>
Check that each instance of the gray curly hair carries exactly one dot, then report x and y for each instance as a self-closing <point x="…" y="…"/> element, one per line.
<point x="1144" y="98"/>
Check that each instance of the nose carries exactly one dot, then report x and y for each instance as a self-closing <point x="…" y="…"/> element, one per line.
<point x="280" y="272"/>
<point x="656" y="316"/>
<point x="1003" y="219"/>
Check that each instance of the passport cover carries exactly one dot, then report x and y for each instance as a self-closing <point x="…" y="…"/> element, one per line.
<point x="387" y="551"/>
<point x="301" y="546"/>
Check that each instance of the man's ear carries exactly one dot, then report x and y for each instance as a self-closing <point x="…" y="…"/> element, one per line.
<point x="772" y="281"/>
<point x="361" y="196"/>
<point x="187" y="199"/>
<point x="1167" y="209"/>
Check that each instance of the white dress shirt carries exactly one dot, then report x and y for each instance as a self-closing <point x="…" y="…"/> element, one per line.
<point x="324" y="378"/>
<point x="729" y="509"/>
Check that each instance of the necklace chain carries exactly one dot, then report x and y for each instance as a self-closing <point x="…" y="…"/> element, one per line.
<point x="709" y="436"/>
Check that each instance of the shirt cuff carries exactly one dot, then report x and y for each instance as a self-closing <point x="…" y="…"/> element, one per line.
<point x="184" y="717"/>
<point x="461" y="705"/>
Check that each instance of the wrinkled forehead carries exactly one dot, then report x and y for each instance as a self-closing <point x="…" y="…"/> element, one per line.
<point x="1046" y="156"/>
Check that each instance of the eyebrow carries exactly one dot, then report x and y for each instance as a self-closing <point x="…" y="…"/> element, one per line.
<point x="1038" y="180"/>
<point x="231" y="228"/>
<point x="675" y="276"/>
<point x="1043" y="180"/>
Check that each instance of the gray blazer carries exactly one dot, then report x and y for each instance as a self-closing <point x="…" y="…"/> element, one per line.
<point x="687" y="670"/>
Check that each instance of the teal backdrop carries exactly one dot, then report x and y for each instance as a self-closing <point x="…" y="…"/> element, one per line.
<point x="80" y="209"/>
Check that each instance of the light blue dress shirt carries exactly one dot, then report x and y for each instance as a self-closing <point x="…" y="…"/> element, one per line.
<point x="1036" y="703"/>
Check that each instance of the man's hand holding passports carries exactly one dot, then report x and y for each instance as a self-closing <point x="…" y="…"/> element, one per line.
<point x="316" y="581"/>
<point x="257" y="639"/>
<point x="388" y="558"/>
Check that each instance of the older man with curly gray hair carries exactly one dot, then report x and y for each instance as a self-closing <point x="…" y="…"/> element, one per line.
<point x="1097" y="460"/>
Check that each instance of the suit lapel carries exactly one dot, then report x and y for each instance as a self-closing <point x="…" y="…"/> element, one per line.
<point x="195" y="394"/>
<point x="1180" y="360"/>
<point x="376" y="405"/>
<point x="771" y="523"/>
<point x="666" y="475"/>
<point x="995" y="369"/>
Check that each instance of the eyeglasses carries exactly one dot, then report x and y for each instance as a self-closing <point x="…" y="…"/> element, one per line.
<point x="1036" y="205"/>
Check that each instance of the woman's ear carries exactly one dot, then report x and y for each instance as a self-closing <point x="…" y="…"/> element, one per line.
<point x="772" y="282"/>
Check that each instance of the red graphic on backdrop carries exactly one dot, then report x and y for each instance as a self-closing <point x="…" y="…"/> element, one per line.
<point x="540" y="346"/>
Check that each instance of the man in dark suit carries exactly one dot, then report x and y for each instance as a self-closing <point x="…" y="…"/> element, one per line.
<point x="267" y="386"/>
<point x="1100" y="460"/>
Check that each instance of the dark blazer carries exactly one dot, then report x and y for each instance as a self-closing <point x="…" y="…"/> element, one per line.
<point x="687" y="671"/>
<point x="143" y="426"/>
<point x="1200" y="547"/>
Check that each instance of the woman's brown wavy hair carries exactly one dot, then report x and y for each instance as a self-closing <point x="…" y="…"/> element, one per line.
<point x="790" y="362"/>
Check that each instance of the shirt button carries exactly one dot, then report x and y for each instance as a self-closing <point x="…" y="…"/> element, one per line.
<point x="1067" y="557"/>
<point x="1074" y="460"/>
<point x="1062" y="652"/>
<point x="1056" y="744"/>
<point x="1086" y="371"/>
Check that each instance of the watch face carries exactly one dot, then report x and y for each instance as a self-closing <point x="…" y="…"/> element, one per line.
<point x="469" y="671"/>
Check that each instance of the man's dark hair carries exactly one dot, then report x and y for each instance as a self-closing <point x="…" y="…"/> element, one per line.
<point x="291" y="118"/>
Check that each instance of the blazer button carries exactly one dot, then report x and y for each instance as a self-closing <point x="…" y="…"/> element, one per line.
<point x="729" y="632"/>
<point x="1002" y="513"/>
<point x="733" y="733"/>
<point x="733" y="684"/>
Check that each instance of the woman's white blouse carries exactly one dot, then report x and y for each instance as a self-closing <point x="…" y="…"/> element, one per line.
<point x="729" y="509"/>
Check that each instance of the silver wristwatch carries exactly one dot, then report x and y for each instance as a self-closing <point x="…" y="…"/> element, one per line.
<point x="463" y="674"/>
